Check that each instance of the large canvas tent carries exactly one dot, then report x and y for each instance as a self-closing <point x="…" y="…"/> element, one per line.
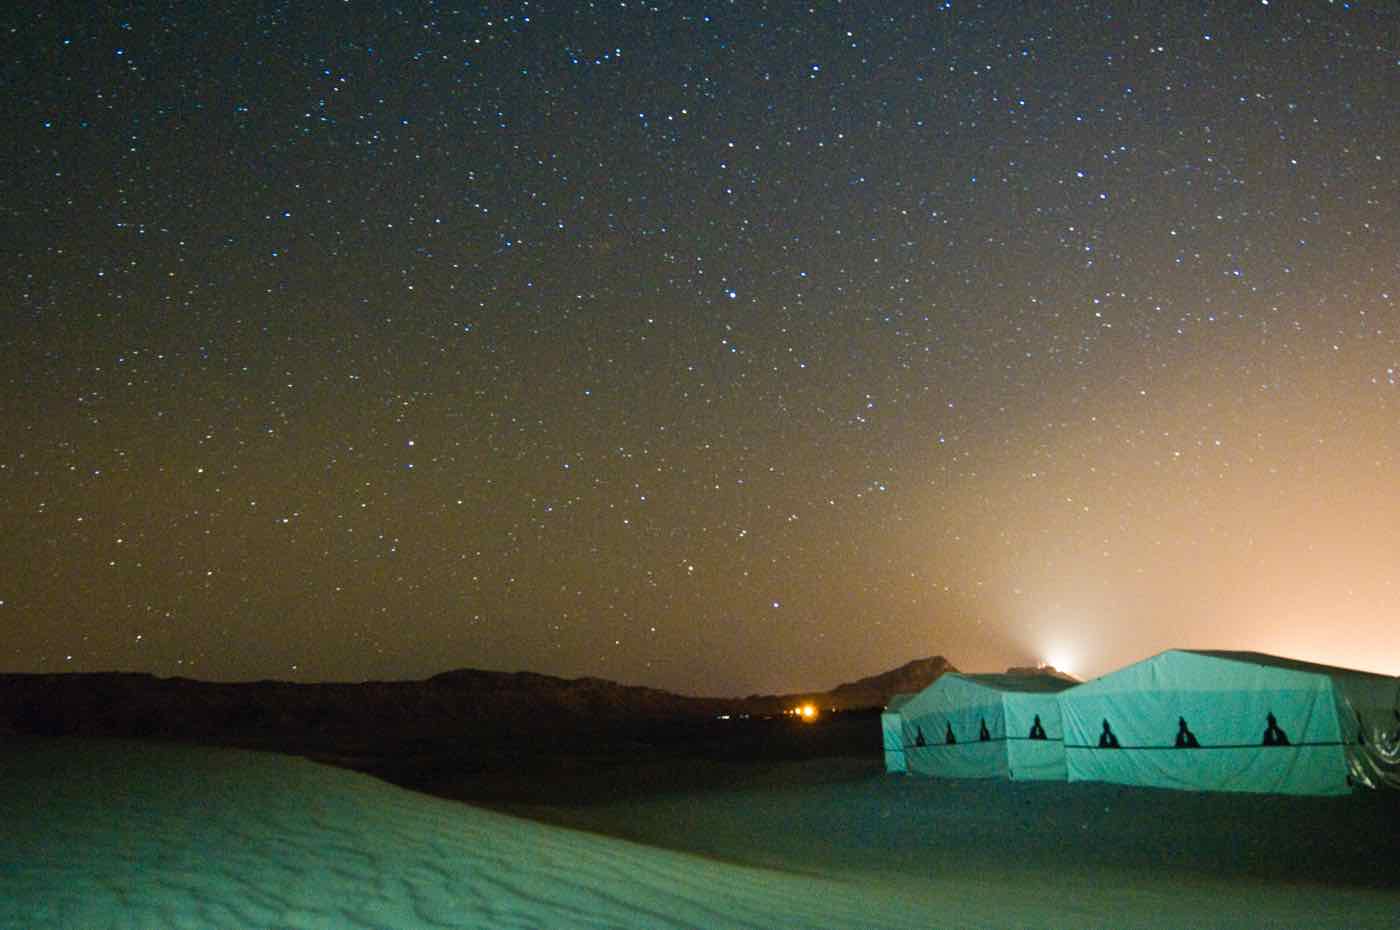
<point x="892" y="733"/>
<point x="986" y="726"/>
<point x="1234" y="721"/>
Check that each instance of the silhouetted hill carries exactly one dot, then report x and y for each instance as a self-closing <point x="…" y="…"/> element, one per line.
<point x="468" y="733"/>
<point x="864" y="693"/>
<point x="1049" y="670"/>
<point x="475" y="700"/>
<point x="276" y="713"/>
<point x="877" y="690"/>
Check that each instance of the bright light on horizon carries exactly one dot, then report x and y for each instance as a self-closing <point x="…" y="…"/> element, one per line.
<point x="1060" y="660"/>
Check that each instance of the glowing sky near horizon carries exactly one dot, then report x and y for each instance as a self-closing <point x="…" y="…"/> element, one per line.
<point x="725" y="348"/>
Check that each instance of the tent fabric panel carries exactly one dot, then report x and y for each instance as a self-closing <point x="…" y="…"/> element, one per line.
<point x="892" y="732"/>
<point x="949" y="691"/>
<point x="1152" y="719"/>
<point x="897" y="702"/>
<point x="1335" y="672"/>
<point x="965" y="721"/>
<point x="1022" y="709"/>
<point x="953" y="701"/>
<point x="1298" y="770"/>
<point x="964" y="703"/>
<point x="1183" y="670"/>
<point x="1035" y="759"/>
<point x="1226" y="705"/>
<point x="1368" y="712"/>
<point x="961" y="760"/>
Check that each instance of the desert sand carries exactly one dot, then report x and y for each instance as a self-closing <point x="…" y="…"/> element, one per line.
<point x="106" y="833"/>
<point x="987" y="853"/>
<point x="128" y="835"/>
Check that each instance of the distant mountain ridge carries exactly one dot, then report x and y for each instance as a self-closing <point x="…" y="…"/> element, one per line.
<point x="461" y="702"/>
<point x="908" y="678"/>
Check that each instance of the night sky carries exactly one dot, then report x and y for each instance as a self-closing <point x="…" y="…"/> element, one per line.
<point x="720" y="347"/>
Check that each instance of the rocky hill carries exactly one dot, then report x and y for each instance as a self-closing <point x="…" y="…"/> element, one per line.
<point x="872" y="692"/>
<point x="877" y="690"/>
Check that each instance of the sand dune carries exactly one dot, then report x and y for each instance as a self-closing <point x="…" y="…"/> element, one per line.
<point x="108" y="834"/>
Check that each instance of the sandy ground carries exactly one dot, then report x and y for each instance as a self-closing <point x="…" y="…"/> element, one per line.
<point x="993" y="853"/>
<point x="104" y="834"/>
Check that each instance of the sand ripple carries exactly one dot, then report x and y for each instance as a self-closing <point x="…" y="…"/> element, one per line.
<point x="125" y="835"/>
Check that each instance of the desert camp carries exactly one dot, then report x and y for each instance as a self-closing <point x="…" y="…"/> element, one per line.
<point x="1186" y="719"/>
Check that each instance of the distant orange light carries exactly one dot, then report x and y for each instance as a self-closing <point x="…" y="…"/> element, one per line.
<point x="808" y="713"/>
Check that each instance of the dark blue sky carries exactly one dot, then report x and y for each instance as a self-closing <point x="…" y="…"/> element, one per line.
<point x="719" y="347"/>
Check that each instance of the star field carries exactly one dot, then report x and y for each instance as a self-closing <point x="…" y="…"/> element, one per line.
<point x="718" y="347"/>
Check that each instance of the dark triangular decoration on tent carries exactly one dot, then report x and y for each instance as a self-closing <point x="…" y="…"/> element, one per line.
<point x="1106" y="739"/>
<point x="948" y="736"/>
<point x="1273" y="734"/>
<point x="1185" y="739"/>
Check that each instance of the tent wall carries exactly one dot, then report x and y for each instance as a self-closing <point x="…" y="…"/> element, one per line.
<point x="1229" y="727"/>
<point x="892" y="733"/>
<point x="1225" y="701"/>
<point x="1034" y="759"/>
<point x="1007" y="706"/>
<point x="892" y="729"/>
<point x="954" y="704"/>
<point x="1368" y="716"/>
<point x="1368" y="710"/>
<point x="963" y="760"/>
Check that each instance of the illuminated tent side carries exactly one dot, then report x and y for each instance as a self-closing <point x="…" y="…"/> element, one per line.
<point x="891" y="728"/>
<point x="1234" y="721"/>
<point x="986" y="726"/>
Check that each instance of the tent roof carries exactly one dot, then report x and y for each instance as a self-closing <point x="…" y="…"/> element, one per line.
<point x="1028" y="684"/>
<point x="1272" y="661"/>
<point x="961" y="689"/>
<point x="1201" y="669"/>
<point x="897" y="701"/>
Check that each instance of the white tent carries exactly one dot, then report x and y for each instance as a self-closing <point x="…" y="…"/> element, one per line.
<point x="986" y="726"/>
<point x="892" y="733"/>
<point x="1234" y="721"/>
